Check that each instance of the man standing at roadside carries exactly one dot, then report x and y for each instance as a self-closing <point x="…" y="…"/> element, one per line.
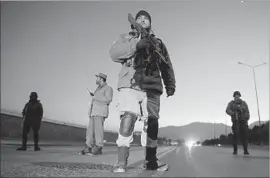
<point x="239" y="112"/>
<point x="98" y="112"/>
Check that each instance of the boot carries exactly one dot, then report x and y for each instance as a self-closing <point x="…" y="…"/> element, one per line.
<point x="22" y="148"/>
<point x="36" y="139"/>
<point x="86" y="151"/>
<point x="123" y="154"/>
<point x="162" y="166"/>
<point x="152" y="163"/>
<point x="24" y="145"/>
<point x="246" y="150"/>
<point x="37" y="148"/>
<point x="97" y="150"/>
<point x="235" y="149"/>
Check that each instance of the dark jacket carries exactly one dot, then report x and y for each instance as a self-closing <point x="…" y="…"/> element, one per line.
<point x="33" y="111"/>
<point x="240" y="107"/>
<point x="136" y="71"/>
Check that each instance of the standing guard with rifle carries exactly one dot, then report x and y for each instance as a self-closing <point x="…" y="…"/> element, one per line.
<point x="145" y="62"/>
<point x="239" y="112"/>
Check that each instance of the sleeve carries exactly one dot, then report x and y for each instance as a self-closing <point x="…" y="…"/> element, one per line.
<point x="229" y="110"/>
<point x="167" y="71"/>
<point x="123" y="48"/>
<point x="246" y="111"/>
<point x="40" y="111"/>
<point x="107" y="99"/>
<point x="24" y="109"/>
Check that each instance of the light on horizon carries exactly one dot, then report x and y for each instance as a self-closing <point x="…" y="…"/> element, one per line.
<point x="190" y="143"/>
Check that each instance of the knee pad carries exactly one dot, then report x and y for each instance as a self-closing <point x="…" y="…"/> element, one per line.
<point x="152" y="129"/>
<point x="127" y="124"/>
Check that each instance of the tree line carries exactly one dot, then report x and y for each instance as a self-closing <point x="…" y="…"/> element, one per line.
<point x="256" y="136"/>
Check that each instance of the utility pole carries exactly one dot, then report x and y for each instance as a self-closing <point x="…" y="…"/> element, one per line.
<point x="254" y="79"/>
<point x="214" y="129"/>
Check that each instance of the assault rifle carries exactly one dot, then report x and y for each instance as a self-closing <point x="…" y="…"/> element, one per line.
<point x="152" y="41"/>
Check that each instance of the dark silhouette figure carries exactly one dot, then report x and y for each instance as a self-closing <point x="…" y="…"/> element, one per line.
<point x="32" y="115"/>
<point x="239" y="112"/>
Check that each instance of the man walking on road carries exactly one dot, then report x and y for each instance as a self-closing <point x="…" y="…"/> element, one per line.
<point x="239" y="112"/>
<point x="98" y="112"/>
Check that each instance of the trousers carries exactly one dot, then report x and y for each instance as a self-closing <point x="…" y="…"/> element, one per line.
<point x="95" y="131"/>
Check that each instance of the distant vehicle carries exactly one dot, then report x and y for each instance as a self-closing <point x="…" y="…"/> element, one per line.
<point x="174" y="143"/>
<point x="190" y="143"/>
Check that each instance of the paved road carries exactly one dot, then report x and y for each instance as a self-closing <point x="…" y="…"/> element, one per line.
<point x="63" y="161"/>
<point x="214" y="162"/>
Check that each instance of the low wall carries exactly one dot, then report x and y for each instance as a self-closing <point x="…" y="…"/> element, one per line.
<point x="11" y="128"/>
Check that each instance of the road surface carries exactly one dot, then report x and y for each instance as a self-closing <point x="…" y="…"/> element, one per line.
<point x="63" y="161"/>
<point x="60" y="160"/>
<point x="214" y="162"/>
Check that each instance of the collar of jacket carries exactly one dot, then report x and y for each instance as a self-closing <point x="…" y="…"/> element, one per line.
<point x="238" y="101"/>
<point x="34" y="101"/>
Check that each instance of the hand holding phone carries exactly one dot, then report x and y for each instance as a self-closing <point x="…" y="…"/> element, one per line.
<point x="92" y="94"/>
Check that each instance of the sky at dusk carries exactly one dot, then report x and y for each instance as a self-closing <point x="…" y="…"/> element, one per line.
<point x="56" y="48"/>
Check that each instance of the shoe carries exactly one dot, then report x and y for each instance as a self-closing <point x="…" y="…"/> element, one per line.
<point x="119" y="169"/>
<point x="22" y="148"/>
<point x="246" y="150"/>
<point x="123" y="154"/>
<point x="97" y="150"/>
<point x="235" y="150"/>
<point x="163" y="167"/>
<point x="158" y="166"/>
<point x="37" y="148"/>
<point x="86" y="151"/>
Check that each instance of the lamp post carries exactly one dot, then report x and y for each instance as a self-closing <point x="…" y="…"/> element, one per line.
<point x="214" y="129"/>
<point x="254" y="78"/>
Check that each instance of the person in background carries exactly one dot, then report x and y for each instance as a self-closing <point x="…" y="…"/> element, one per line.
<point x="32" y="115"/>
<point x="98" y="112"/>
<point x="239" y="112"/>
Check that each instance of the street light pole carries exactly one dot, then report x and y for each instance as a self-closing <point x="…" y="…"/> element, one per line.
<point x="253" y="68"/>
<point x="254" y="78"/>
<point x="214" y="129"/>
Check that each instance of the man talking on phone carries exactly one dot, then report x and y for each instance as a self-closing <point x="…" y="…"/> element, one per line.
<point x="98" y="112"/>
